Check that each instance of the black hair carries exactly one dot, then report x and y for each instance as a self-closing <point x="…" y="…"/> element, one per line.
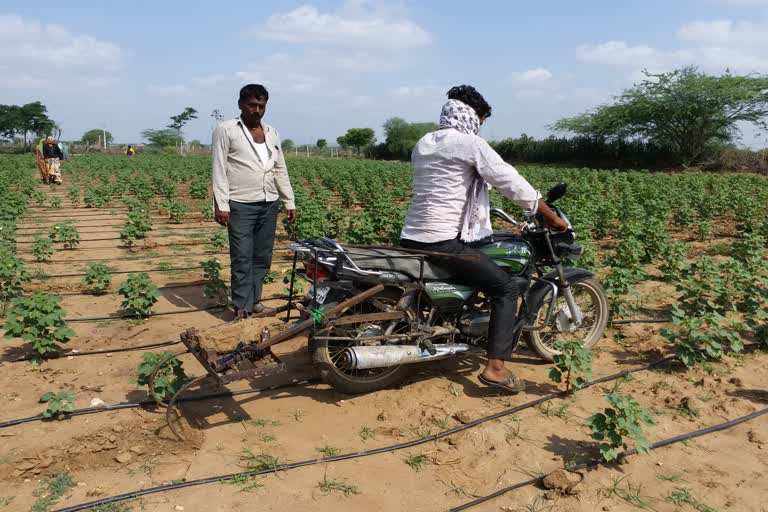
<point x="253" y="91"/>
<point x="469" y="96"/>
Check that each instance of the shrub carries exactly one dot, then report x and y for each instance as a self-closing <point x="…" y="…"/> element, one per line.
<point x="215" y="287"/>
<point x="219" y="240"/>
<point x="139" y="295"/>
<point x="13" y="276"/>
<point x="574" y="362"/>
<point x="702" y="338"/>
<point x="98" y="277"/>
<point x="42" y="249"/>
<point x="59" y="405"/>
<point x="39" y="319"/>
<point x="624" y="419"/>
<point x="66" y="234"/>
<point x="169" y="379"/>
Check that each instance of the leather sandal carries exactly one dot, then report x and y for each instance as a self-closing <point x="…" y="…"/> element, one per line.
<point x="511" y="384"/>
<point x="260" y="310"/>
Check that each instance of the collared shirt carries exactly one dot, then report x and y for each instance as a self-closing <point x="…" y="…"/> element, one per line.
<point x="241" y="175"/>
<point x="444" y="167"/>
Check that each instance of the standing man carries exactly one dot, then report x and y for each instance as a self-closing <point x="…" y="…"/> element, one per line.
<point x="249" y="176"/>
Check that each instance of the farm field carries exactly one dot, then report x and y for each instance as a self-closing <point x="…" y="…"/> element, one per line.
<point x="687" y="247"/>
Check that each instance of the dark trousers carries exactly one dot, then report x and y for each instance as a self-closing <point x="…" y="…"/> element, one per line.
<point x="483" y="274"/>
<point x="251" y="239"/>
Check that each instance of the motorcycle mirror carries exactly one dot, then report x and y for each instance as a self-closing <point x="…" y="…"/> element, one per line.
<point x="556" y="192"/>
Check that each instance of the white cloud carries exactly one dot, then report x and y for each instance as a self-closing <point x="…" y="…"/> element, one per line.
<point x="713" y="45"/>
<point x="36" y="55"/>
<point x="742" y="34"/>
<point x="347" y="28"/>
<point x="531" y="75"/>
<point x="745" y="3"/>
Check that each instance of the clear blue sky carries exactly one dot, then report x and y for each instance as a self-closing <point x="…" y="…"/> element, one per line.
<point x="332" y="65"/>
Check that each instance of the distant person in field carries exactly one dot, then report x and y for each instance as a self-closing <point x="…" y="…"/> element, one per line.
<point x="249" y="177"/>
<point x="450" y="208"/>
<point x="53" y="156"/>
<point x="130" y="153"/>
<point x="41" y="161"/>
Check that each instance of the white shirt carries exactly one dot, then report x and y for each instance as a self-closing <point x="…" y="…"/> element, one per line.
<point x="262" y="150"/>
<point x="242" y="174"/>
<point x="444" y="167"/>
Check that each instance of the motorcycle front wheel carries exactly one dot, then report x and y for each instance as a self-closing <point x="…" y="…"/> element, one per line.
<point x="591" y="299"/>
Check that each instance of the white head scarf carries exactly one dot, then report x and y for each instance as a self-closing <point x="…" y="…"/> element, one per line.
<point x="476" y="223"/>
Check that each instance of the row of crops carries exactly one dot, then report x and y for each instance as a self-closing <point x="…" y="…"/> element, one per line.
<point x="704" y="233"/>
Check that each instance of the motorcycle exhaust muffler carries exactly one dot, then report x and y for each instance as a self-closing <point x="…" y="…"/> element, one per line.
<point x="363" y="358"/>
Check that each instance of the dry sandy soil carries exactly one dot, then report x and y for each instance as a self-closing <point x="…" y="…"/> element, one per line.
<point x="120" y="451"/>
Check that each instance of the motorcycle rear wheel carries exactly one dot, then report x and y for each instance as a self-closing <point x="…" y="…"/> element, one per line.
<point x="593" y="302"/>
<point x="325" y="353"/>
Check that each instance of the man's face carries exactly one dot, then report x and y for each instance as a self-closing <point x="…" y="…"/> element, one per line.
<point x="253" y="109"/>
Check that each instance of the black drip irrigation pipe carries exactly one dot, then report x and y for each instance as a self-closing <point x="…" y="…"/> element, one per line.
<point x="118" y="231"/>
<point x="133" y="258"/>
<point x="149" y="403"/>
<point x="137" y="271"/>
<point x="74" y="353"/>
<point x="626" y="453"/>
<point x="118" y="238"/>
<point x="355" y="455"/>
<point x="120" y="317"/>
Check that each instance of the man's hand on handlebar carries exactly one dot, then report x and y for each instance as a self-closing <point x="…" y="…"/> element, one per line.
<point x="550" y="219"/>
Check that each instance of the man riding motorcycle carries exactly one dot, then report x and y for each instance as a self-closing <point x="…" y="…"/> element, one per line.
<point x="450" y="208"/>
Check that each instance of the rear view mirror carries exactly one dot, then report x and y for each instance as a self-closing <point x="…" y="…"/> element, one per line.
<point x="556" y="192"/>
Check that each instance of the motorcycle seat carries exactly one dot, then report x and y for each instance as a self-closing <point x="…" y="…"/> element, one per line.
<point x="383" y="260"/>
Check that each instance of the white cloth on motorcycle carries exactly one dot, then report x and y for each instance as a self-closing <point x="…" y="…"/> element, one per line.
<point x="376" y="259"/>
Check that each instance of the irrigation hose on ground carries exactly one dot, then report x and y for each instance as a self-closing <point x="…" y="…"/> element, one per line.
<point x="150" y="403"/>
<point x="392" y="448"/>
<point x="165" y="313"/>
<point x="133" y="258"/>
<point x="626" y="453"/>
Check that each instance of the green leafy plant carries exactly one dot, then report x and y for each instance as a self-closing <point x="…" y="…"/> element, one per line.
<point x="624" y="419"/>
<point x="13" y="277"/>
<point x="98" y="277"/>
<point x="170" y="378"/>
<point x="270" y="277"/>
<point x="215" y="287"/>
<point x="39" y="319"/>
<point x="73" y="194"/>
<point x="573" y="364"/>
<point x="54" y="202"/>
<point x="139" y="295"/>
<point x="219" y="240"/>
<point x="698" y="339"/>
<point x="59" y="404"/>
<point x="42" y="249"/>
<point x="176" y="210"/>
<point x="198" y="189"/>
<point x="65" y="234"/>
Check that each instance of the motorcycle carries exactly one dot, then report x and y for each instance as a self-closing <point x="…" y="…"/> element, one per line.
<point x="423" y="315"/>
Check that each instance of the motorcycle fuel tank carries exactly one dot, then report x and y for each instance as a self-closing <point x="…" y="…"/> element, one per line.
<point x="513" y="255"/>
<point x="448" y="296"/>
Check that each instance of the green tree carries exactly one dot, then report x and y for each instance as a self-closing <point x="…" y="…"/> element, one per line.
<point x="402" y="136"/>
<point x="288" y="145"/>
<point x="357" y="138"/>
<point x="321" y="143"/>
<point x="178" y="121"/>
<point x="23" y="120"/>
<point x="95" y="136"/>
<point x="167" y="137"/>
<point x="684" y="110"/>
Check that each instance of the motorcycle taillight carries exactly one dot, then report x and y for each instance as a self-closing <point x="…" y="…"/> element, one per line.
<point x="322" y="271"/>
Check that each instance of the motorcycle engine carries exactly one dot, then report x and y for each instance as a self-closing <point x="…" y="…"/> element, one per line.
<point x="475" y="324"/>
